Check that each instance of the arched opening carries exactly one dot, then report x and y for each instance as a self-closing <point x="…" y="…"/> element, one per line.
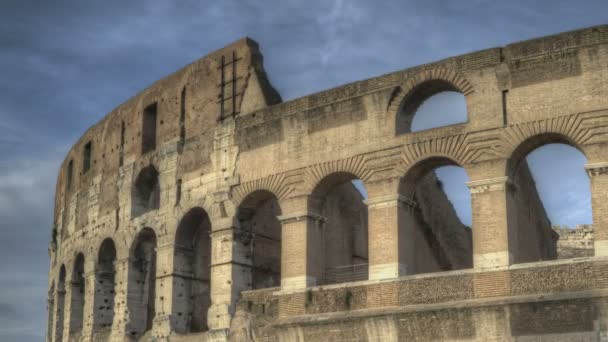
<point x="436" y="202"/>
<point x="146" y="192"/>
<point x="338" y="200"/>
<point x="105" y="276"/>
<point x="258" y="217"/>
<point x="550" y="202"/>
<point x="192" y="265"/>
<point x="431" y="104"/>
<point x="50" y="311"/>
<point x="142" y="283"/>
<point x="77" y="298"/>
<point x="60" y="306"/>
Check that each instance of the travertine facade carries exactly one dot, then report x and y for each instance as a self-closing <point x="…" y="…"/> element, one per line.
<point x="205" y="209"/>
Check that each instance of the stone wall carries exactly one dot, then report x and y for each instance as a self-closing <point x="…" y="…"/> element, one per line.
<point x="575" y="243"/>
<point x="224" y="145"/>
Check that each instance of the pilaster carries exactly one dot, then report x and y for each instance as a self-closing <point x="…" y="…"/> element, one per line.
<point x="88" y="315"/>
<point x="492" y="245"/>
<point x="391" y="248"/>
<point x="301" y="252"/>
<point x="230" y="272"/>
<point x="121" y="309"/>
<point x="598" y="175"/>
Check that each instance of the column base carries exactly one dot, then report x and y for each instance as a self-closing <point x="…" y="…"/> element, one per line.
<point x="297" y="283"/>
<point x="601" y="248"/>
<point x="219" y="317"/>
<point x="387" y="271"/>
<point x="492" y="260"/>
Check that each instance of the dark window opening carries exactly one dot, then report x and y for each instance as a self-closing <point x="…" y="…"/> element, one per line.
<point x="148" y="142"/>
<point x="182" y="117"/>
<point x="86" y="161"/>
<point x="504" y="106"/>
<point x="146" y="192"/>
<point x="122" y="144"/>
<point x="70" y="174"/>
<point x="178" y="192"/>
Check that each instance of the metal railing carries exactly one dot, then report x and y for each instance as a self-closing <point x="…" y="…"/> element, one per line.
<point x="346" y="274"/>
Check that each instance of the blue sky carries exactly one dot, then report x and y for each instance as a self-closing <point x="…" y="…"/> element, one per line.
<point x="64" y="64"/>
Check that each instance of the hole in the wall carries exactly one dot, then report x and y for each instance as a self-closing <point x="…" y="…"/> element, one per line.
<point x="149" y="128"/>
<point x="86" y="159"/>
<point x="146" y="191"/>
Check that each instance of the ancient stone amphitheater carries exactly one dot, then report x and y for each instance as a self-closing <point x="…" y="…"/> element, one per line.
<point x="206" y="209"/>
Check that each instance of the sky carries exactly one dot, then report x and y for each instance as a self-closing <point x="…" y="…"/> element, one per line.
<point x="65" y="64"/>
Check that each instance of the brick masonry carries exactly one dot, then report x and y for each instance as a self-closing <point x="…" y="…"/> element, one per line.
<point x="222" y="209"/>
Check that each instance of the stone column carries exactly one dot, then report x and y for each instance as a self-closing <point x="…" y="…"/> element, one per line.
<point x="90" y="288"/>
<point x="59" y="314"/>
<point x="163" y="290"/>
<point x="230" y="271"/>
<point x="50" y="308"/>
<point x="121" y="309"/>
<point x="67" y="312"/>
<point x="301" y="244"/>
<point x="492" y="245"/>
<point x="391" y="241"/>
<point x="391" y="249"/>
<point x="598" y="174"/>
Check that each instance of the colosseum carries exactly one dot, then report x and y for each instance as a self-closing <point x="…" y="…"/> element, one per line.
<point x="207" y="209"/>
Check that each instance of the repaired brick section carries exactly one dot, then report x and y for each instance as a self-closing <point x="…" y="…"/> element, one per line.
<point x="492" y="284"/>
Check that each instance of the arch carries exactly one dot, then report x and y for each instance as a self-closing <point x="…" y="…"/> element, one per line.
<point x="192" y="268"/>
<point x="532" y="232"/>
<point x="355" y="166"/>
<point x="435" y="239"/>
<point x="141" y="283"/>
<point x="407" y="98"/>
<point x="419" y="169"/>
<point x="528" y="144"/>
<point x="344" y="253"/>
<point x="78" y="297"/>
<point x="105" y="278"/>
<point x="60" y="306"/>
<point x="258" y="216"/>
<point x="455" y="148"/>
<point x="274" y="184"/>
<point x="145" y="194"/>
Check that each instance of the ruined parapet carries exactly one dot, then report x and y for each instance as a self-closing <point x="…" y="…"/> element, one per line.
<point x="574" y="243"/>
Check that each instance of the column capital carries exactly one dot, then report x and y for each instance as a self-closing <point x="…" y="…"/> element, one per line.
<point x="596" y="169"/>
<point x="300" y="216"/>
<point x="391" y="200"/>
<point x="491" y="184"/>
